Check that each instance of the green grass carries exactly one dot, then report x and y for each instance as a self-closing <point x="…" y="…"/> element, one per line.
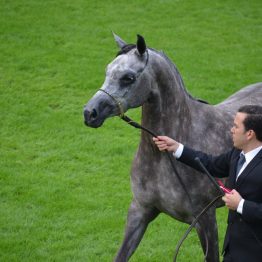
<point x="64" y="188"/>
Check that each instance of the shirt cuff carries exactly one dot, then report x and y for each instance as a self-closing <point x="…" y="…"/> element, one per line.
<point x="240" y="206"/>
<point x="179" y="151"/>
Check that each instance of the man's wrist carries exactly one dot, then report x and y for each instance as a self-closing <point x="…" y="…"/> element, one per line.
<point x="177" y="154"/>
<point x="240" y="206"/>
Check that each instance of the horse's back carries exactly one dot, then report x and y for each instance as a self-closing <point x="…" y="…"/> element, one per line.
<point x="251" y="94"/>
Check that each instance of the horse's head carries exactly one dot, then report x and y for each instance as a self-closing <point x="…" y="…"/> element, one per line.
<point x="125" y="86"/>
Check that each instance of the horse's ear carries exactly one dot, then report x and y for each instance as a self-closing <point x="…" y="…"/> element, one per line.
<point x="120" y="43"/>
<point x="141" y="45"/>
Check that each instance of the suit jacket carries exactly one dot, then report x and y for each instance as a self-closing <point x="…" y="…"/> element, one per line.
<point x="244" y="232"/>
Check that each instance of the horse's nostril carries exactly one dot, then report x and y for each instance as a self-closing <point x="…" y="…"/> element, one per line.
<point x="93" y="114"/>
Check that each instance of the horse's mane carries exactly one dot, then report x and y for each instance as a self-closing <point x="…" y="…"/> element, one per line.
<point x="125" y="49"/>
<point x="180" y="80"/>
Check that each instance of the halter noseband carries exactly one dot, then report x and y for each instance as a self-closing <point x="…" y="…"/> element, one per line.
<point x="118" y="103"/>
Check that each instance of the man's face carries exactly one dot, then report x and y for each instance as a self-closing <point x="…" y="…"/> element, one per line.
<point x="238" y="131"/>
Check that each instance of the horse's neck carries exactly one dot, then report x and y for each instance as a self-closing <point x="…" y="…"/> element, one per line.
<point x="168" y="112"/>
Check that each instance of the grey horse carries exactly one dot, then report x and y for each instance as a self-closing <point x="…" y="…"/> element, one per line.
<point x="142" y="76"/>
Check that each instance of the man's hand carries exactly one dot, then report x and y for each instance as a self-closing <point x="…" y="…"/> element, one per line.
<point x="232" y="199"/>
<point x="166" y="143"/>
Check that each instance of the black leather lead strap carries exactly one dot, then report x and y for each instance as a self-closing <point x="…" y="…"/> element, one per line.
<point x="136" y="125"/>
<point x="196" y="220"/>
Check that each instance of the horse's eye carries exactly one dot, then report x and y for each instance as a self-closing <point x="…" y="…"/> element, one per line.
<point x="127" y="79"/>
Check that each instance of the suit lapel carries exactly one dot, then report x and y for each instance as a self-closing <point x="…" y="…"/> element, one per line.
<point x="255" y="161"/>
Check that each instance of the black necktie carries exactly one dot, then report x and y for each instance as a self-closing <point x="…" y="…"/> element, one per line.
<point x="240" y="162"/>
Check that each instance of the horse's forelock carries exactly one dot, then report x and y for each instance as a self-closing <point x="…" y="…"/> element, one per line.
<point x="125" y="49"/>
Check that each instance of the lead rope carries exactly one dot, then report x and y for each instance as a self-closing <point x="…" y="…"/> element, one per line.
<point x="196" y="218"/>
<point x="136" y="125"/>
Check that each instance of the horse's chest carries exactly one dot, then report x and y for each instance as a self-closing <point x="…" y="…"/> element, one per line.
<point x="154" y="184"/>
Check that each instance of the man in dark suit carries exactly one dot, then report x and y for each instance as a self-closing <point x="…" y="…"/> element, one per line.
<point x="243" y="167"/>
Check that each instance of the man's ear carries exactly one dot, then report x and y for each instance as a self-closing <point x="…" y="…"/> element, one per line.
<point x="251" y="134"/>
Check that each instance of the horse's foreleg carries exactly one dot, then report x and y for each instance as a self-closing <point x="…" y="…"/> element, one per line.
<point x="137" y="221"/>
<point x="208" y="235"/>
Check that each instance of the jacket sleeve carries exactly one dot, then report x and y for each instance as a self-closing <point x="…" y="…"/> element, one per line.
<point x="252" y="211"/>
<point x="218" y="166"/>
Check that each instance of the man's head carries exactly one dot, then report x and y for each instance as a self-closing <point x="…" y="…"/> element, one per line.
<point x="247" y="128"/>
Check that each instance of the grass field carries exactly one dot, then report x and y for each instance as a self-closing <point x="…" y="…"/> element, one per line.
<point x="64" y="188"/>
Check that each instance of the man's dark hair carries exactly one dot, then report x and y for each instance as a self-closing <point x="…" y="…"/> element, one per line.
<point x="253" y="121"/>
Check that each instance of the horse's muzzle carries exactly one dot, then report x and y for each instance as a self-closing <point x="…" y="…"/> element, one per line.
<point x="91" y="118"/>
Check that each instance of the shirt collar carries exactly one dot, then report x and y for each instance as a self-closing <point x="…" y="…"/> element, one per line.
<point x="251" y="154"/>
